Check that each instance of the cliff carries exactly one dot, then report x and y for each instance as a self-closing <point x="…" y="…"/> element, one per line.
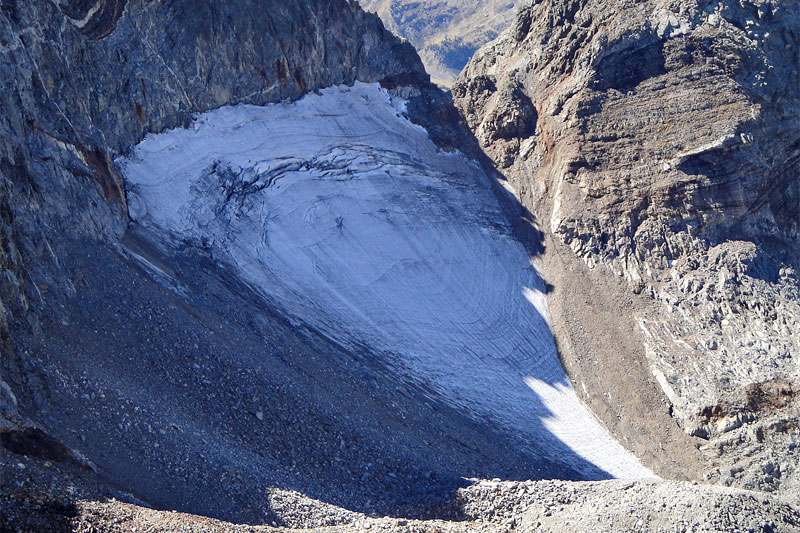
<point x="657" y="142"/>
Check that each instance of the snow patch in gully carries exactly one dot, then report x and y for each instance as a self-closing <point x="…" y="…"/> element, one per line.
<point x="348" y="217"/>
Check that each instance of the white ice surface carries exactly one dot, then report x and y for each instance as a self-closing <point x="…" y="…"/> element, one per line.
<point x="346" y="214"/>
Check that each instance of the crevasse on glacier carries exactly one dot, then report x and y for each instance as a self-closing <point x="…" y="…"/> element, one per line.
<point x="345" y="214"/>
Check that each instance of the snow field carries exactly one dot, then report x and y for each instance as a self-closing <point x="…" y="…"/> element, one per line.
<point x="346" y="215"/>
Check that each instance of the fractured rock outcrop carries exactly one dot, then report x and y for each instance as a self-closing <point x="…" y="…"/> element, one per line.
<point x="663" y="157"/>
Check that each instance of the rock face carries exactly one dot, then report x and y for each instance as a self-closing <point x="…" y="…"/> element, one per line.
<point x="659" y="143"/>
<point x="446" y="33"/>
<point x="95" y="19"/>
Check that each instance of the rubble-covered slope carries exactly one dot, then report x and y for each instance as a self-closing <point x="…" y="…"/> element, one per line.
<point x="42" y="502"/>
<point x="659" y="144"/>
<point x="352" y="221"/>
<point x="192" y="395"/>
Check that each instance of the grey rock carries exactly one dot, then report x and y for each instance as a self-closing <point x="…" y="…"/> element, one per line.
<point x="87" y="80"/>
<point x="95" y="19"/>
<point x="662" y="163"/>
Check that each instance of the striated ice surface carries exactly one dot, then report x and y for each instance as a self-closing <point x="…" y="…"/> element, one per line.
<point x="346" y="215"/>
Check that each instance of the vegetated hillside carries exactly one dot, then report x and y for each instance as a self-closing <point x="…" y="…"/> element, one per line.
<point x="659" y="144"/>
<point x="445" y="32"/>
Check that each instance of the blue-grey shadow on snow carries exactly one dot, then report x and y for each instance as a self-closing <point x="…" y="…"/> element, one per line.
<point x="206" y="399"/>
<point x="192" y="391"/>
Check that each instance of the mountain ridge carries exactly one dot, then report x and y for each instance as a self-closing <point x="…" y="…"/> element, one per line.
<point x="657" y="143"/>
<point x="446" y="33"/>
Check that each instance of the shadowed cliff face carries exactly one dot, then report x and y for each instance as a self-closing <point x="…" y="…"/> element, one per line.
<point x="664" y="153"/>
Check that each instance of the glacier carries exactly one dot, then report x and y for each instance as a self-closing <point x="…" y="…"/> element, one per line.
<point x="344" y="215"/>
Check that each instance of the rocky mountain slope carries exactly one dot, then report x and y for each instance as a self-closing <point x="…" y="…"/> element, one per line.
<point x="71" y="502"/>
<point x="350" y="222"/>
<point x="659" y="145"/>
<point x="445" y="32"/>
<point x="162" y="371"/>
<point x="246" y="275"/>
<point x="207" y="298"/>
